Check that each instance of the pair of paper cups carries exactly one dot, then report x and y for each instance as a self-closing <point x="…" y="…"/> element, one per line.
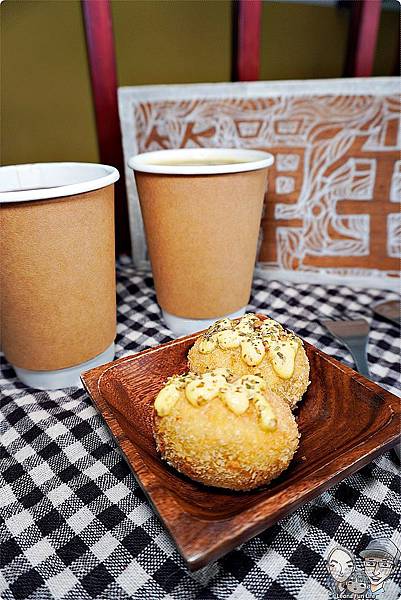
<point x="58" y="311"/>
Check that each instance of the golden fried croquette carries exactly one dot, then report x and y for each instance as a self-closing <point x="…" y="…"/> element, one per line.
<point x="223" y="433"/>
<point x="250" y="345"/>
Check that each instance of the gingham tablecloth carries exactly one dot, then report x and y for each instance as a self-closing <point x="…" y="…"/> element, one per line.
<point x="75" y="524"/>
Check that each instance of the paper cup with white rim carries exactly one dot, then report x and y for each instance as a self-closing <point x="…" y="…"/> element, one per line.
<point x="57" y="275"/>
<point x="201" y="210"/>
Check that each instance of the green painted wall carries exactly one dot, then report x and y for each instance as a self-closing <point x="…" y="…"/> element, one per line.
<point x="46" y="97"/>
<point x="46" y="104"/>
<point x="302" y="41"/>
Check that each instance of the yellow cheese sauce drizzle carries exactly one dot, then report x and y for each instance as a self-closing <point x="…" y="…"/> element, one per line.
<point x="236" y="395"/>
<point x="255" y="338"/>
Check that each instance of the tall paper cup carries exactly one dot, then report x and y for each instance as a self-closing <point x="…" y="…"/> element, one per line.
<point x="57" y="276"/>
<point x="202" y="223"/>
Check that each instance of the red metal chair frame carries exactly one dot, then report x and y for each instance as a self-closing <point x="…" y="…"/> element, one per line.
<point x="247" y="16"/>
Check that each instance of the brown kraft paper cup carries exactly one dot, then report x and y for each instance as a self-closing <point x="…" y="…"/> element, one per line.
<point x="58" y="279"/>
<point x="202" y="233"/>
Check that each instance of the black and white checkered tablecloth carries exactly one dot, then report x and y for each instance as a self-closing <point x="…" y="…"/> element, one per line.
<point x="75" y="525"/>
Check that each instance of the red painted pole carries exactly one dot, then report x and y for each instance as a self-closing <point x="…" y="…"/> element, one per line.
<point x="247" y="35"/>
<point x="362" y="38"/>
<point x="102" y="65"/>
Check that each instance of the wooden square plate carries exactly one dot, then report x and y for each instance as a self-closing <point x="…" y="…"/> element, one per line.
<point x="345" y="421"/>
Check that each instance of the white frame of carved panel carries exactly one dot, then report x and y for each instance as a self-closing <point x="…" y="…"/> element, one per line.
<point x="353" y="179"/>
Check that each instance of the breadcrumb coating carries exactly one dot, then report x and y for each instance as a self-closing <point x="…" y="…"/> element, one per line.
<point x="290" y="389"/>
<point x="211" y="444"/>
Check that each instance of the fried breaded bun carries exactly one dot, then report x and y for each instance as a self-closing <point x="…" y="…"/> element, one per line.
<point x="223" y="346"/>
<point x="241" y="438"/>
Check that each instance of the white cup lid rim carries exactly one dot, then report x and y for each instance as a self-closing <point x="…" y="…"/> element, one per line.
<point x="41" y="181"/>
<point x="152" y="162"/>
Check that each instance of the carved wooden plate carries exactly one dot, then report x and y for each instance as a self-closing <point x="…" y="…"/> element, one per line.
<point x="345" y="421"/>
